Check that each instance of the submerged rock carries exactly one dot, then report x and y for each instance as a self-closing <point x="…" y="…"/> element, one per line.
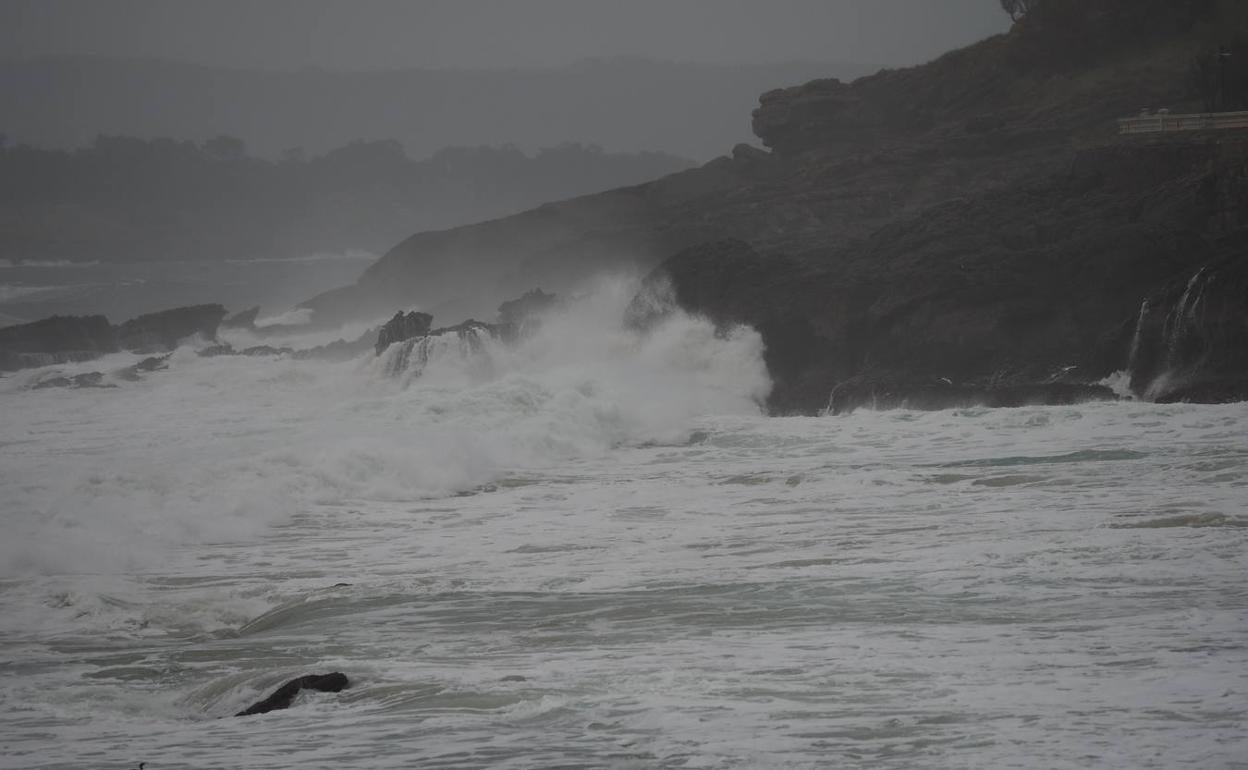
<point x="283" y="696"/>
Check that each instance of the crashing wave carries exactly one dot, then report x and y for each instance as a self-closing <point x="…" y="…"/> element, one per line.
<point x="469" y="341"/>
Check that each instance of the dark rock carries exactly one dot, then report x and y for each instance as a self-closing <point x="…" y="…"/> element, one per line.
<point x="411" y="356"/>
<point x="87" y="380"/>
<point x="977" y="218"/>
<point x="808" y="347"/>
<point x="1191" y="339"/>
<point x="403" y="327"/>
<point x="285" y="695"/>
<point x="151" y="364"/>
<point x="1023" y="282"/>
<point x="244" y="320"/>
<point x="266" y="350"/>
<point x="338" y="350"/>
<point x="212" y="351"/>
<point x="160" y="332"/>
<point x="819" y="113"/>
<point x="59" y="339"/>
<point x="526" y="307"/>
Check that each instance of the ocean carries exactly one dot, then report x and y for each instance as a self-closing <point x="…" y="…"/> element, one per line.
<point x="30" y="290"/>
<point x="593" y="550"/>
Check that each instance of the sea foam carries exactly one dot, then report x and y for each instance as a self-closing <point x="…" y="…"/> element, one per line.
<point x="218" y="449"/>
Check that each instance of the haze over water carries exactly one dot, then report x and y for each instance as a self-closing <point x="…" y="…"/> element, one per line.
<point x="594" y="551"/>
<point x="572" y="542"/>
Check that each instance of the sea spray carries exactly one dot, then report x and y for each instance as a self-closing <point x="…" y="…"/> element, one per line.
<point x="1133" y="358"/>
<point x="218" y="449"/>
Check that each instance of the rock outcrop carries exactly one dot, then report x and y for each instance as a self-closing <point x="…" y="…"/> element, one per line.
<point x="531" y="304"/>
<point x="56" y="340"/>
<point x="463" y="342"/>
<point x="64" y="339"/>
<point x="996" y="294"/>
<point x="159" y="332"/>
<point x="403" y="327"/>
<point x="976" y="220"/>
<point x="284" y="696"/>
<point x="245" y="319"/>
<point x="1191" y="339"/>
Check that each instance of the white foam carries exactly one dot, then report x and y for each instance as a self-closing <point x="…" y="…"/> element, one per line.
<point x="216" y="450"/>
<point x="293" y="317"/>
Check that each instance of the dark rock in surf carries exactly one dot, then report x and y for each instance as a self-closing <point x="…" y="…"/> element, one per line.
<point x="518" y="311"/>
<point x="283" y="696"/>
<point x="212" y="351"/>
<point x="151" y="364"/>
<point x="522" y="317"/>
<point x="243" y="320"/>
<point x="86" y="380"/>
<point x="266" y="350"/>
<point x="402" y="328"/>
<point x="338" y="350"/>
<point x="160" y="332"/>
<point x="411" y="356"/>
<point x="56" y="340"/>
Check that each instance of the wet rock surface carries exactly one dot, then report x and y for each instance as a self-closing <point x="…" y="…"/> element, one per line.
<point x="59" y="339"/>
<point x="66" y="339"/>
<point x="159" y="332"/>
<point x="404" y="326"/>
<point x="285" y="695"/>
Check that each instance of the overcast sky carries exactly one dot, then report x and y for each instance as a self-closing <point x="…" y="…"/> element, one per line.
<point x="384" y="34"/>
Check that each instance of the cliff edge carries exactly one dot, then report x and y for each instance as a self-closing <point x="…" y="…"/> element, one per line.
<point x="976" y="221"/>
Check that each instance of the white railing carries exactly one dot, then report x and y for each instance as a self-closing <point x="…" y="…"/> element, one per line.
<point x="1160" y="123"/>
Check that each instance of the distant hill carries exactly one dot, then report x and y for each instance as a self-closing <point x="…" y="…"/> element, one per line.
<point x="628" y="105"/>
<point x="132" y="200"/>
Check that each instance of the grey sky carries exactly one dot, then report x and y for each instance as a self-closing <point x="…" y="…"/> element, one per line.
<point x="372" y="34"/>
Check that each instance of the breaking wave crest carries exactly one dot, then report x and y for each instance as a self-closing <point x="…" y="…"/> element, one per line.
<point x="218" y="450"/>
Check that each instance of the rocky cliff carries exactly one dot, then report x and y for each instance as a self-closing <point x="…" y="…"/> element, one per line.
<point x="974" y="222"/>
<point x="1034" y="284"/>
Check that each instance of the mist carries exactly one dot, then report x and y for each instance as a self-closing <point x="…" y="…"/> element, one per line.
<point x="664" y="384"/>
<point x="495" y="34"/>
